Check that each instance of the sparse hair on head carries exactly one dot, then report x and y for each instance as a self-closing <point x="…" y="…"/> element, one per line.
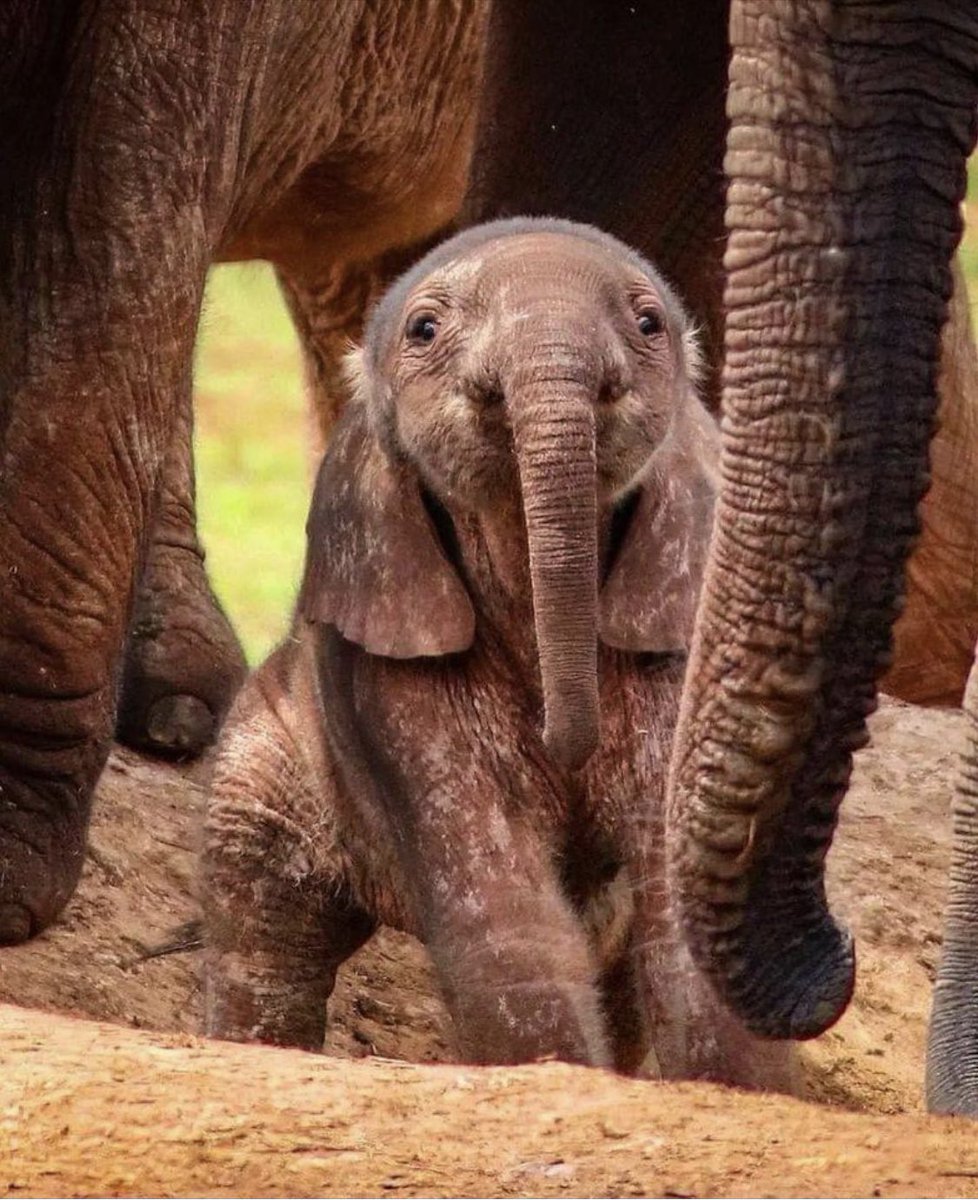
<point x="479" y="235"/>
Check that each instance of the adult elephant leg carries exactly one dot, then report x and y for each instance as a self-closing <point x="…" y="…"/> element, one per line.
<point x="86" y="431"/>
<point x="327" y="307"/>
<point x="104" y="245"/>
<point x="952" y="1052"/>
<point x="328" y="302"/>
<point x="934" y="639"/>
<point x="850" y="128"/>
<point x="183" y="660"/>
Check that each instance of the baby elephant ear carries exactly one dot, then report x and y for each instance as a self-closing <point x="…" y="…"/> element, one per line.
<point x="375" y="568"/>
<point x="648" y="601"/>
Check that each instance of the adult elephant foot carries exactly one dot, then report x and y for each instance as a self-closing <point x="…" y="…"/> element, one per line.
<point x="40" y="862"/>
<point x="183" y="661"/>
<point x="47" y="777"/>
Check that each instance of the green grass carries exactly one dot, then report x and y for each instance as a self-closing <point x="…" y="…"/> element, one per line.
<point x="252" y="469"/>
<point x="969" y="244"/>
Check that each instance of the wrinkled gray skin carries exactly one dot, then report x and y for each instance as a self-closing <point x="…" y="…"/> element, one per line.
<point x="843" y="213"/>
<point x="141" y="141"/>
<point x="466" y="734"/>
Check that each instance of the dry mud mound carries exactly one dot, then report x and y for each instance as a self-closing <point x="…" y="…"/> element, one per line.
<point x="91" y="1109"/>
<point x="98" y="1110"/>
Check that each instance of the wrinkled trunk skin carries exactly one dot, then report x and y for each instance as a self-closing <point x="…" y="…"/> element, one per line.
<point x="850" y="125"/>
<point x="553" y="428"/>
<point x="952" y="1050"/>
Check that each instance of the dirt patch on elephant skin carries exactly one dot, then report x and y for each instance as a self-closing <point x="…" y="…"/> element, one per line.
<point x="95" y="1109"/>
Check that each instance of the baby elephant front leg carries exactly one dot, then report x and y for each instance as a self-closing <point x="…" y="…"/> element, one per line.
<point x="512" y="957"/>
<point x="277" y="929"/>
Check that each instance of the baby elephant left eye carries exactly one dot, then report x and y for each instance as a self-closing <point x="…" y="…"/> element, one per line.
<point x="649" y="322"/>
<point x="422" y="328"/>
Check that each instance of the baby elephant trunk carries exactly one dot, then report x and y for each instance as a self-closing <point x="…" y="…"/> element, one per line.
<point x="553" y="430"/>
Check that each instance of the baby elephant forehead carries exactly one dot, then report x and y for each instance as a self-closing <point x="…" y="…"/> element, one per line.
<point x="496" y="249"/>
<point x="538" y="251"/>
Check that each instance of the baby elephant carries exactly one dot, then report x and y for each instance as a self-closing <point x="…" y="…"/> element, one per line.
<point x="466" y="734"/>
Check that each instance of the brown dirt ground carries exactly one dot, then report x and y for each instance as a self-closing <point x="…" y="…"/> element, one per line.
<point x="96" y="1109"/>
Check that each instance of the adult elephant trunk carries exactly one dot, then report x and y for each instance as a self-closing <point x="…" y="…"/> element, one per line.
<point x="553" y="430"/>
<point x="850" y="124"/>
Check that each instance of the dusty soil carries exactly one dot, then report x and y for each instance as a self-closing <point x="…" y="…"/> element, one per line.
<point x="95" y="1109"/>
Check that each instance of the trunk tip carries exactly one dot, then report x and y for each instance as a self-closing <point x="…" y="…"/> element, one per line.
<point x="571" y="746"/>
<point x="798" y="994"/>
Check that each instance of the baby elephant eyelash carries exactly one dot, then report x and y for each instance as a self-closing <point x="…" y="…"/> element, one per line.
<point x="421" y="329"/>
<point x="650" y="322"/>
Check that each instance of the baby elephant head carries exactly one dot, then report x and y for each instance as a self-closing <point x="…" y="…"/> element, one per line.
<point x="535" y="362"/>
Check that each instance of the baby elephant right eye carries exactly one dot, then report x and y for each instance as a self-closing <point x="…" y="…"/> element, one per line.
<point x="650" y="322"/>
<point x="422" y="328"/>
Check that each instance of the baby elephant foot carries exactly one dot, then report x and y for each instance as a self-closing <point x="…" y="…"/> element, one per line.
<point x="184" y="663"/>
<point x="526" y="1023"/>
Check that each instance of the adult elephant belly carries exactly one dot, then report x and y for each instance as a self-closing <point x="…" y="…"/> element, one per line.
<point x="370" y="193"/>
<point x="378" y="173"/>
